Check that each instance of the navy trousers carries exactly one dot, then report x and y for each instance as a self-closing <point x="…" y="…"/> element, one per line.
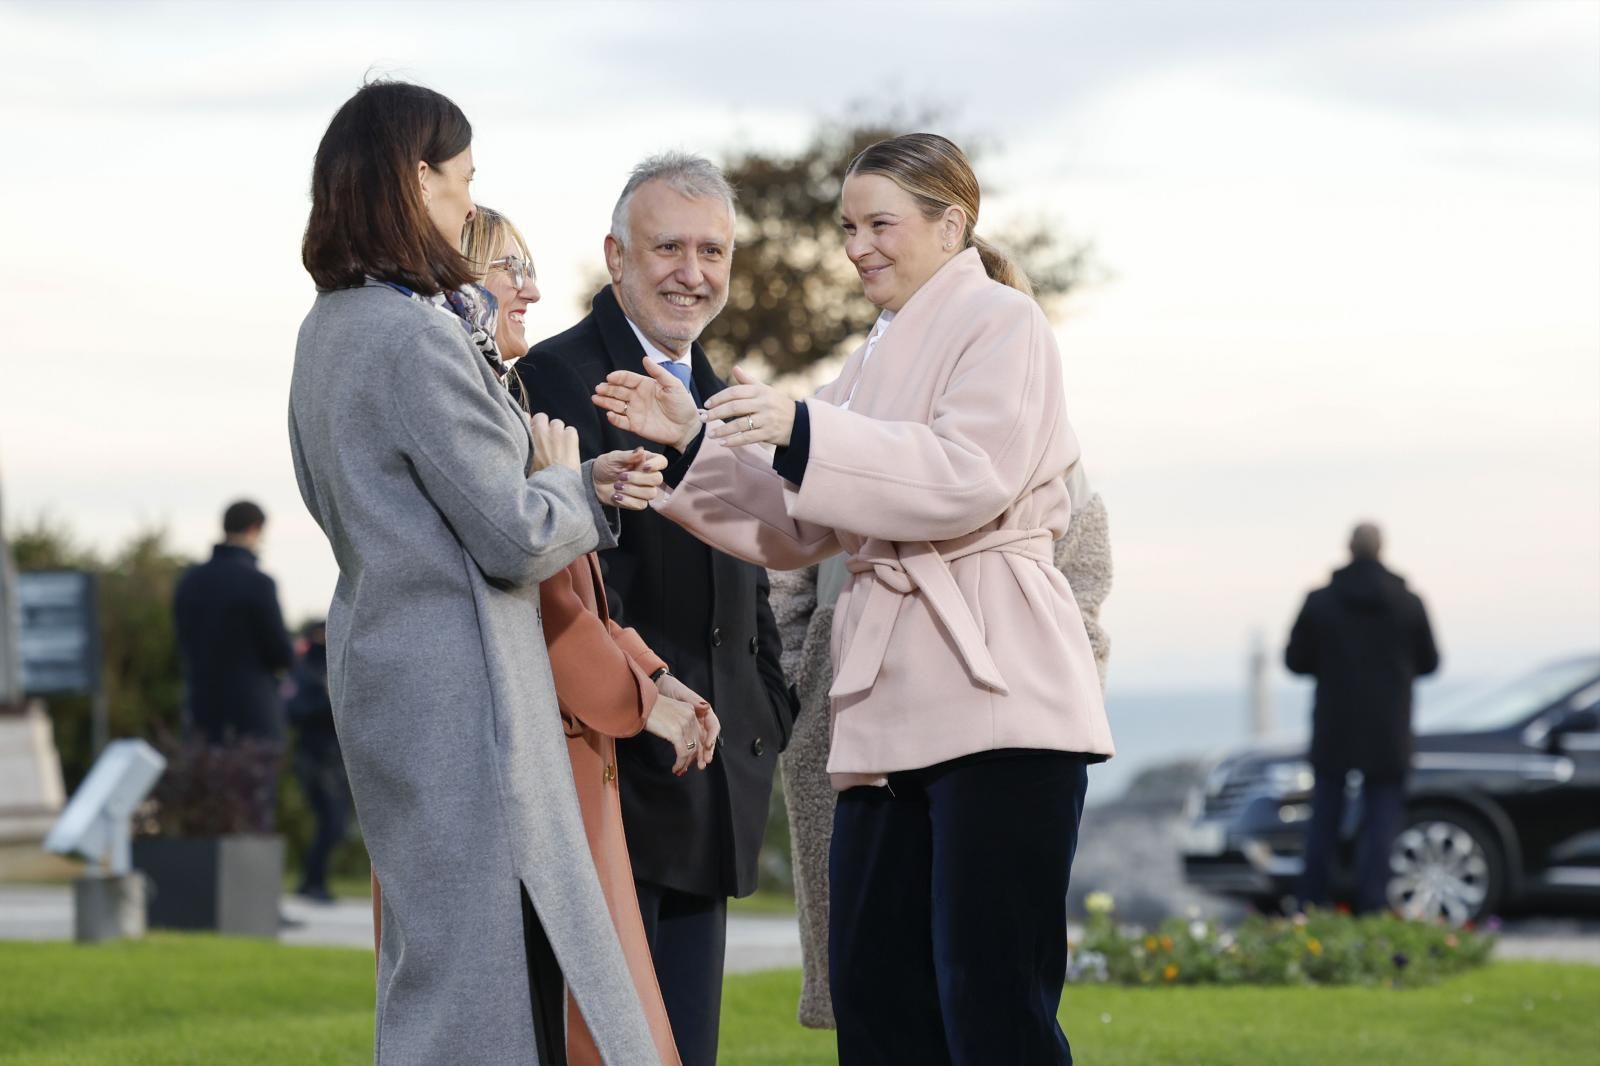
<point x="948" y="902"/>
<point x="1383" y="807"/>
<point x="688" y="937"/>
<point x="322" y="778"/>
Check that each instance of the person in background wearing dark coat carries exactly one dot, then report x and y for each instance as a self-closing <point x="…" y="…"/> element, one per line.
<point x="317" y="763"/>
<point x="231" y="637"/>
<point x="1365" y="638"/>
<point x="693" y="840"/>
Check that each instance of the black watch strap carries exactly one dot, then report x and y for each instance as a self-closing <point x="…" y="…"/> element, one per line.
<point x="658" y="675"/>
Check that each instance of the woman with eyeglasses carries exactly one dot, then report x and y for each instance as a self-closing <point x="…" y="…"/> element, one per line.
<point x="608" y="682"/>
<point x="500" y="258"/>
<point x="445" y="507"/>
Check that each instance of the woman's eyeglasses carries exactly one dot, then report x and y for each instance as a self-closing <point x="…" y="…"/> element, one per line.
<point x="520" y="269"/>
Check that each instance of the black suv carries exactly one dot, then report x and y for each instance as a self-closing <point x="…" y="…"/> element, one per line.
<point x="1503" y="807"/>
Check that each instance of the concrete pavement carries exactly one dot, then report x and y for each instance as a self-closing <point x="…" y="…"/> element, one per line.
<point x="44" y="912"/>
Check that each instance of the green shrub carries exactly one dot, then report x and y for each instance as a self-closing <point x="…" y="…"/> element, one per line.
<point x="1319" y="947"/>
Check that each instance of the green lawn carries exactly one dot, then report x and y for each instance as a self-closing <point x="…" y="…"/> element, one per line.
<point x="190" y="1000"/>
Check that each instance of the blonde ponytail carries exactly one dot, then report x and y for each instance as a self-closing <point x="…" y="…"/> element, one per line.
<point x="1000" y="266"/>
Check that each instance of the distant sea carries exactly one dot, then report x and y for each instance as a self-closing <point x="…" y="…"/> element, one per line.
<point x="1154" y="725"/>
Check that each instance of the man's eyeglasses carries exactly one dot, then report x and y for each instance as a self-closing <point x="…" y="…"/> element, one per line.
<point x="520" y="269"/>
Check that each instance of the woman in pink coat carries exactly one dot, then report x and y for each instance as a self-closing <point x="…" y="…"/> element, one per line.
<point x="966" y="705"/>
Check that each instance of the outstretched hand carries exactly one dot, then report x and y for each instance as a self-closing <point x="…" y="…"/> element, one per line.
<point x="750" y="413"/>
<point x="653" y="405"/>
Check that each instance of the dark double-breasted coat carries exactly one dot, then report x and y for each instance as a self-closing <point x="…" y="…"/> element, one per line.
<point x="705" y="613"/>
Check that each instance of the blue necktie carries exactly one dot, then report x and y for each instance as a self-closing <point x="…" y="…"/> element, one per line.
<point x="681" y="372"/>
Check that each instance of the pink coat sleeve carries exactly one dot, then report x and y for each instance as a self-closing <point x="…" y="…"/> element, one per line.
<point x="732" y="499"/>
<point x="997" y="416"/>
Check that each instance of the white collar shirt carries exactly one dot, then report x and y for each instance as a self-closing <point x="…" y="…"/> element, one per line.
<point x="656" y="355"/>
<point x="879" y="328"/>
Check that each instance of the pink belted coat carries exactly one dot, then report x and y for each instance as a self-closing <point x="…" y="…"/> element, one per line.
<point x="944" y="483"/>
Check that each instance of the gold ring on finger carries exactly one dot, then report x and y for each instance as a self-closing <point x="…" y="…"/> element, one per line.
<point x="690" y="746"/>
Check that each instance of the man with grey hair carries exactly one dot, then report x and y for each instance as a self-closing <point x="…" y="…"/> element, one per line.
<point x="1365" y="637"/>
<point x="693" y="840"/>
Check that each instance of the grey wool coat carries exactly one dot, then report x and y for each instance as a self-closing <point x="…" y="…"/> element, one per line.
<point x="803" y="601"/>
<point x="415" y="462"/>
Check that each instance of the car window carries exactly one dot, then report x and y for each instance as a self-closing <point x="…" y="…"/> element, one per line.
<point x="1512" y="702"/>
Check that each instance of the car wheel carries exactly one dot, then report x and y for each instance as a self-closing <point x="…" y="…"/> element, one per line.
<point x="1445" y="865"/>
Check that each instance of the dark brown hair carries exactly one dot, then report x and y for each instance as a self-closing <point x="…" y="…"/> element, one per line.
<point x="367" y="213"/>
<point x="937" y="174"/>
<point x="242" y="517"/>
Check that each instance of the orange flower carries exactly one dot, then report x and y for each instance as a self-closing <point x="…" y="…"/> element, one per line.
<point x="1150" y="943"/>
<point x="1170" y="974"/>
<point x="1166" y="943"/>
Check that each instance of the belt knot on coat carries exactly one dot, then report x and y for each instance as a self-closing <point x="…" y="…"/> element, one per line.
<point x="923" y="567"/>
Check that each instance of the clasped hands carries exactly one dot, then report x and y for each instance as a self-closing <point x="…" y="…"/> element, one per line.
<point x="685" y="720"/>
<point x="656" y="406"/>
<point x="625" y="479"/>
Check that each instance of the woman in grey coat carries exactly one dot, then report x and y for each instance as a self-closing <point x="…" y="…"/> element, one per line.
<point x="420" y="468"/>
<point x="802" y="601"/>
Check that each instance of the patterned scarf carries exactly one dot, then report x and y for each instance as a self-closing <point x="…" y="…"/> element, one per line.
<point x="474" y="307"/>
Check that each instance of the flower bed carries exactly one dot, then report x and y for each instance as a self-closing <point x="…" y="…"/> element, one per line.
<point x="1320" y="947"/>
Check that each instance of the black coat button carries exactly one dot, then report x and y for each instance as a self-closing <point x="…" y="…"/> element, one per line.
<point x="716" y="637"/>
<point x="756" y="747"/>
<point x="755" y="645"/>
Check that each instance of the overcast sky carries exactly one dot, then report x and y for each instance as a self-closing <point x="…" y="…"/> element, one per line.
<point x="1353" y="258"/>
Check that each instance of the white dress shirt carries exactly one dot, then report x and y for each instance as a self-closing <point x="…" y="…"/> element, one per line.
<point x="656" y="355"/>
<point x="879" y="328"/>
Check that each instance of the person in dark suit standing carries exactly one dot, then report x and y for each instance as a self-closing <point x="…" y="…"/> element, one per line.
<point x="231" y="637"/>
<point x="1365" y="637"/>
<point x="693" y="840"/>
<point x="318" y="766"/>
